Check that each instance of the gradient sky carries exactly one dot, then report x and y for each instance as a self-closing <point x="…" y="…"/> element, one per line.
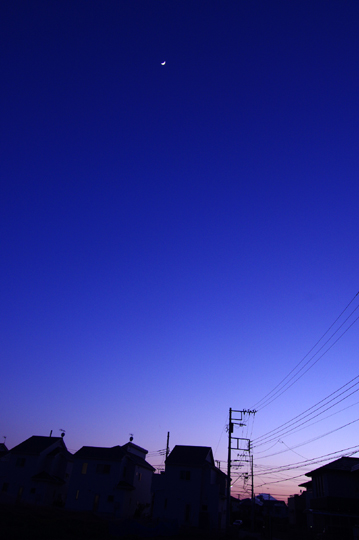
<point x="176" y="238"/>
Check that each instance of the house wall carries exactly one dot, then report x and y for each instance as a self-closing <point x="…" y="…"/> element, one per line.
<point x="216" y="500"/>
<point x="91" y="487"/>
<point x="341" y="485"/>
<point x="130" y="503"/>
<point x="17" y="473"/>
<point x="194" y="501"/>
<point x="334" y="508"/>
<point x="329" y="483"/>
<point x="182" y="495"/>
<point x="18" y="469"/>
<point x="99" y="491"/>
<point x="142" y="483"/>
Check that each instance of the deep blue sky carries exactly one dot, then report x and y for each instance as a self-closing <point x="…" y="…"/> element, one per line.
<point x="175" y="238"/>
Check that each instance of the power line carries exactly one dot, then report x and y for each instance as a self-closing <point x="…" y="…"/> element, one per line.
<point x="309" y="425"/>
<point x="314" y="438"/>
<point x="317" y="360"/>
<point x="312" y="461"/>
<point x="287" y="427"/>
<point x="270" y="397"/>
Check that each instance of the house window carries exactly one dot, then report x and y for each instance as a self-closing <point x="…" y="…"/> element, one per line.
<point x="185" y="475"/>
<point x="319" y="486"/>
<point x="165" y="504"/>
<point x="84" y="468"/>
<point x="20" y="462"/>
<point x="19" y="493"/>
<point x="95" y="502"/>
<point x="33" y="490"/>
<point x="139" y="476"/>
<point x="77" y="494"/>
<point x="103" y="468"/>
<point x="110" y="498"/>
<point x="187" y="512"/>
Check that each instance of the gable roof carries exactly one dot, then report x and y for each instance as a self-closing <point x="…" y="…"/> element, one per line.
<point x="130" y="445"/>
<point x="35" y="445"/>
<point x="194" y="456"/>
<point x="115" y="453"/>
<point x="343" y="464"/>
<point x="307" y="485"/>
<point x="137" y="460"/>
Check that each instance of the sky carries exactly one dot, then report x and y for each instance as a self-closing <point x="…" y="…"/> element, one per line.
<point x="175" y="239"/>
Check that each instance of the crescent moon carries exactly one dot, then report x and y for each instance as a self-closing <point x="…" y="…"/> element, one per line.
<point x="163" y="63"/>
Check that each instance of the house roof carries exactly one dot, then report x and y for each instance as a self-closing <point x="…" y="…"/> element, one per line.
<point x="194" y="456"/>
<point x="307" y="485"/>
<point x="343" y="464"/>
<point x="35" y="445"/>
<point x="130" y="444"/>
<point x="249" y="502"/>
<point x="115" y="453"/>
<point x="139" y="461"/>
<point x="63" y="451"/>
<point x="266" y="497"/>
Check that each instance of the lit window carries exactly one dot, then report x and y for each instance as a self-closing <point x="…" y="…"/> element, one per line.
<point x="84" y="468"/>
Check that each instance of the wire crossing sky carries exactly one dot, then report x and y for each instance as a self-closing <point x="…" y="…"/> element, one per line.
<point x="270" y="397"/>
<point x="175" y="237"/>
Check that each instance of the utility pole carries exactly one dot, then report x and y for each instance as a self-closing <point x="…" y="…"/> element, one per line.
<point x="230" y="431"/>
<point x="234" y="420"/>
<point x="253" y="504"/>
<point x="168" y="444"/>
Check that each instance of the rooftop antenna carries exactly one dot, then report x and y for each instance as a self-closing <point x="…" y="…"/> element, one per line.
<point x="131" y="437"/>
<point x="4" y="439"/>
<point x="62" y="432"/>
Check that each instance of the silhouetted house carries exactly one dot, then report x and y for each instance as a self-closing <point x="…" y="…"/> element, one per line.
<point x="272" y="507"/>
<point x="235" y="504"/>
<point x="268" y="514"/>
<point x="115" y="481"/>
<point x="274" y="516"/>
<point x="249" y="509"/>
<point x="334" y="505"/>
<point x="299" y="516"/>
<point x="299" y="508"/>
<point x="3" y="449"/>
<point x="192" y="490"/>
<point x="36" y="471"/>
